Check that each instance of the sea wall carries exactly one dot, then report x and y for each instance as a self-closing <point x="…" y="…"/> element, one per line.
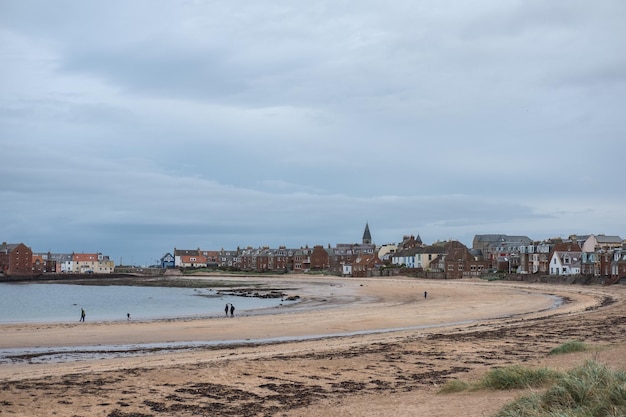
<point x="560" y="279"/>
<point x="63" y="277"/>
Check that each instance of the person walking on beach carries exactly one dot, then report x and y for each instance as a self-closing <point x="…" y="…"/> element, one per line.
<point x="425" y="294"/>
<point x="232" y="310"/>
<point x="226" y="309"/>
<point x="128" y="316"/>
<point x="82" y="314"/>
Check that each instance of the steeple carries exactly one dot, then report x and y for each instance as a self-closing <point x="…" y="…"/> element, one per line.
<point x="367" y="237"/>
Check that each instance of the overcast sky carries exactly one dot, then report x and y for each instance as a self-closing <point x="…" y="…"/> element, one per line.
<point x="133" y="127"/>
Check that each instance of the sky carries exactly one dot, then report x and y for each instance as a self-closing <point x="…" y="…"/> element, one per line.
<point x="132" y="128"/>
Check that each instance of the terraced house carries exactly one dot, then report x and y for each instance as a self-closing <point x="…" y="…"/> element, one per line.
<point x="19" y="260"/>
<point x="16" y="259"/>
<point x="189" y="258"/>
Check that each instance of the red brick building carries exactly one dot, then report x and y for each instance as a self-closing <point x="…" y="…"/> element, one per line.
<point x="16" y="259"/>
<point x="460" y="263"/>
<point x="320" y="261"/>
<point x="364" y="265"/>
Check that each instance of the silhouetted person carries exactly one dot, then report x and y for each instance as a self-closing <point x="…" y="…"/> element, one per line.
<point x="128" y="316"/>
<point x="82" y="314"/>
<point x="232" y="310"/>
<point x="425" y="294"/>
<point x="226" y="310"/>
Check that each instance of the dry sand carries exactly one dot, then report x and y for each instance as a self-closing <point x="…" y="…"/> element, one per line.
<point x="353" y="365"/>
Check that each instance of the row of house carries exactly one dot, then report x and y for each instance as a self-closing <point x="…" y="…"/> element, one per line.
<point x="590" y="255"/>
<point x="449" y="260"/>
<point x="352" y="259"/>
<point x="344" y="259"/>
<point x="17" y="259"/>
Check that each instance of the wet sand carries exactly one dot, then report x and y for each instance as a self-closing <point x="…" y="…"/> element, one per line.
<point x="377" y="345"/>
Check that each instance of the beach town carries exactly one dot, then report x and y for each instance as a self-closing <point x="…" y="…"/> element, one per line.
<point x="363" y="336"/>
<point x="304" y="209"/>
<point x="594" y="256"/>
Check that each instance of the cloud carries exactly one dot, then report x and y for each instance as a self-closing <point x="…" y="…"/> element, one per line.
<point x="136" y="127"/>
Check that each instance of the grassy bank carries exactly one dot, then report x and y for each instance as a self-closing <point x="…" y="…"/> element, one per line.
<point x="589" y="390"/>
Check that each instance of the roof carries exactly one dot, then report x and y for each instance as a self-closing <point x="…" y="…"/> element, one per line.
<point x="369" y="260"/>
<point x="567" y="247"/>
<point x="85" y="257"/>
<point x="9" y="247"/>
<point x="189" y="252"/>
<point x="608" y="239"/>
<point x="493" y="238"/>
<point x="367" y="237"/>
<point x="487" y="238"/>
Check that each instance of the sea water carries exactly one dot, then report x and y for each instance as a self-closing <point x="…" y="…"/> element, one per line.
<point x="34" y="302"/>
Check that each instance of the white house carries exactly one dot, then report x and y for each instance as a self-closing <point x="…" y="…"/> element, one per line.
<point x="565" y="259"/>
<point x="405" y="257"/>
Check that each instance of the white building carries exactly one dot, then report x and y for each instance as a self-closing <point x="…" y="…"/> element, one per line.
<point x="565" y="259"/>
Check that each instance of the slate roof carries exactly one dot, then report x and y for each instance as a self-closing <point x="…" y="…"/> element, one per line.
<point x="609" y="239"/>
<point x="8" y="247"/>
<point x="186" y="252"/>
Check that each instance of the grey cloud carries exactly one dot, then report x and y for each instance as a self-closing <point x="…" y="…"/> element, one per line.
<point x="138" y="126"/>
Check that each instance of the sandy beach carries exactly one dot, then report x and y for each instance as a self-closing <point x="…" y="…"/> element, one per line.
<point x="352" y="347"/>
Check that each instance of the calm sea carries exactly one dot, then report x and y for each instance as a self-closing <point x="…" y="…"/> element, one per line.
<point x="21" y="302"/>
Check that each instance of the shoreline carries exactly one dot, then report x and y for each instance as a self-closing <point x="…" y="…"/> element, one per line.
<point x="257" y="297"/>
<point x="59" y="354"/>
<point x="358" y="300"/>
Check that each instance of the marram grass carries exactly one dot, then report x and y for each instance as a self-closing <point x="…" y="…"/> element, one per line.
<point x="573" y="346"/>
<point x="455" y="385"/>
<point x="510" y="377"/>
<point x="589" y="390"/>
<point x="516" y="377"/>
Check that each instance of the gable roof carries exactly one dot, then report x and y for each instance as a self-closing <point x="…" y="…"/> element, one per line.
<point x="567" y="247"/>
<point x="9" y="247"/>
<point x="369" y="260"/>
<point x="492" y="239"/>
<point x="186" y="252"/>
<point x="608" y="239"/>
<point x="84" y="257"/>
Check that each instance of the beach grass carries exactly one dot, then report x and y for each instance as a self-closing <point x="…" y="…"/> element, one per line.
<point x="589" y="390"/>
<point x="505" y="378"/>
<point x="455" y="385"/>
<point x="516" y="377"/>
<point x="569" y="347"/>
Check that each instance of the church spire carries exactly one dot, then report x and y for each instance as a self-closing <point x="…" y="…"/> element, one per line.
<point x="367" y="237"/>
